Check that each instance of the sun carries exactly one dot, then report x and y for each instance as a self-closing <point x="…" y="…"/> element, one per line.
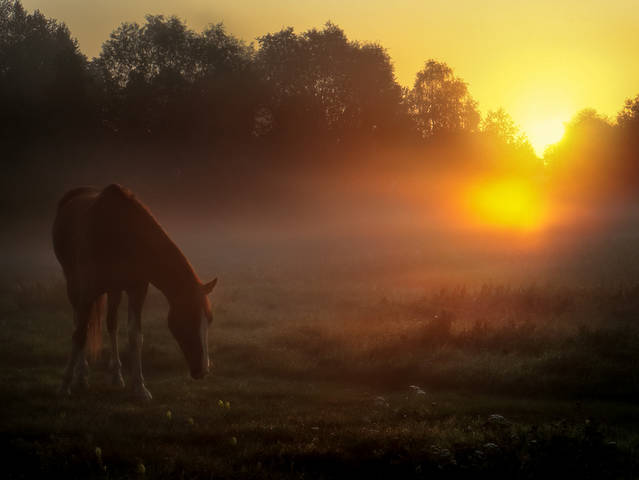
<point x="507" y="204"/>
<point x="541" y="112"/>
<point x="544" y="132"/>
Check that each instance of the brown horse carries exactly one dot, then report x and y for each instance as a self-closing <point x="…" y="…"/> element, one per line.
<point x="108" y="242"/>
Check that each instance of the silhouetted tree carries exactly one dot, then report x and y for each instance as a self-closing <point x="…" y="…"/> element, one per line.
<point x="585" y="162"/>
<point x="628" y="117"/>
<point x="165" y="81"/>
<point x="322" y="85"/>
<point x="583" y="138"/>
<point x="440" y="102"/>
<point x="500" y="126"/>
<point x="627" y="141"/>
<point x="44" y="84"/>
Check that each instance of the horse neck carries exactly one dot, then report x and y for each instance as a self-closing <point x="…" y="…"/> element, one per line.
<point x="170" y="271"/>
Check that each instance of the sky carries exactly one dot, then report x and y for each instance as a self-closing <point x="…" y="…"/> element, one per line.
<point x="541" y="60"/>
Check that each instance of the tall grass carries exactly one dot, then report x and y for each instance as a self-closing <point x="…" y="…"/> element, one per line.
<point x="531" y="339"/>
<point x="317" y="379"/>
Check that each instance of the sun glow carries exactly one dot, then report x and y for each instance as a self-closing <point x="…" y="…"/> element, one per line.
<point x="510" y="204"/>
<point x="544" y="133"/>
<point x="541" y="112"/>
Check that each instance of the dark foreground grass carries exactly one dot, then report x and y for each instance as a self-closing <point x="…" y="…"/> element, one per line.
<point x="495" y="383"/>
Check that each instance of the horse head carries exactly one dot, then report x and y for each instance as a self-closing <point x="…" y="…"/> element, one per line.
<point x="189" y="320"/>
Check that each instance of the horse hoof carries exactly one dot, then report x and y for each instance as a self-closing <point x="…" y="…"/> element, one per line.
<point x="142" y="393"/>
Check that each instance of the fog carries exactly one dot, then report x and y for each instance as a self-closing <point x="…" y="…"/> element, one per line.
<point x="388" y="225"/>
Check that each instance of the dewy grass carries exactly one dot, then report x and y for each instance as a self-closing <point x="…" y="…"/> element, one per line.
<point x="511" y="382"/>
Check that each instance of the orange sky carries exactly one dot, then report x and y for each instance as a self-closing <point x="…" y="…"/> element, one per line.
<point x="541" y="60"/>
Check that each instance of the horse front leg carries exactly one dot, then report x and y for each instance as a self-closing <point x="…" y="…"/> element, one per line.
<point x="136" y="301"/>
<point x="81" y="315"/>
<point x="81" y="372"/>
<point x="115" y="364"/>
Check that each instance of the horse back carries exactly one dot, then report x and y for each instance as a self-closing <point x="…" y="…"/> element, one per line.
<point x="83" y="217"/>
<point x="69" y="226"/>
<point x="99" y="234"/>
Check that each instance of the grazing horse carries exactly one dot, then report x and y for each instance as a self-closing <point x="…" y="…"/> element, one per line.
<point x="108" y="243"/>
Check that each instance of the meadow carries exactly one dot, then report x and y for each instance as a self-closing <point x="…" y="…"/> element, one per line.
<point x="411" y="284"/>
<point x="322" y="379"/>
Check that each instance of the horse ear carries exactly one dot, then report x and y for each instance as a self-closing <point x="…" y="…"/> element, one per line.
<point x="208" y="287"/>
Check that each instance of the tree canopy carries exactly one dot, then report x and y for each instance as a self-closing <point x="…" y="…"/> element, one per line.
<point x="44" y="80"/>
<point x="440" y="102"/>
<point x="321" y="83"/>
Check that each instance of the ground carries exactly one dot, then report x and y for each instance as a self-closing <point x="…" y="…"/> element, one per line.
<point x="314" y="380"/>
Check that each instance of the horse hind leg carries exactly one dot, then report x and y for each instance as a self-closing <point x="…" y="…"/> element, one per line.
<point x="81" y="315"/>
<point x="115" y="365"/>
<point x="136" y="301"/>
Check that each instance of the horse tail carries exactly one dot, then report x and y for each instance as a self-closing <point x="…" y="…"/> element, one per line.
<point x="94" y="331"/>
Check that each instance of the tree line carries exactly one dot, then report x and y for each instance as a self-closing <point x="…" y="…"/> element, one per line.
<point x="164" y="82"/>
<point x="164" y="86"/>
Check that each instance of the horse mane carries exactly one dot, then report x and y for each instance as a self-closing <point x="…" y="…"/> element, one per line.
<point x="74" y="193"/>
<point x="142" y="211"/>
<point x="145" y="217"/>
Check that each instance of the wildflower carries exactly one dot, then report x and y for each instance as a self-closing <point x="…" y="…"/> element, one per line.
<point x="381" y="402"/>
<point x="491" y="448"/>
<point x="418" y="390"/>
<point x="497" y="420"/>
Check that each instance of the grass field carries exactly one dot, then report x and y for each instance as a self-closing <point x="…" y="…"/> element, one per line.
<point x="318" y="380"/>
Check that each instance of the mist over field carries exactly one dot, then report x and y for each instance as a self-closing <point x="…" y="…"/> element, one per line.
<point x="393" y="228"/>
